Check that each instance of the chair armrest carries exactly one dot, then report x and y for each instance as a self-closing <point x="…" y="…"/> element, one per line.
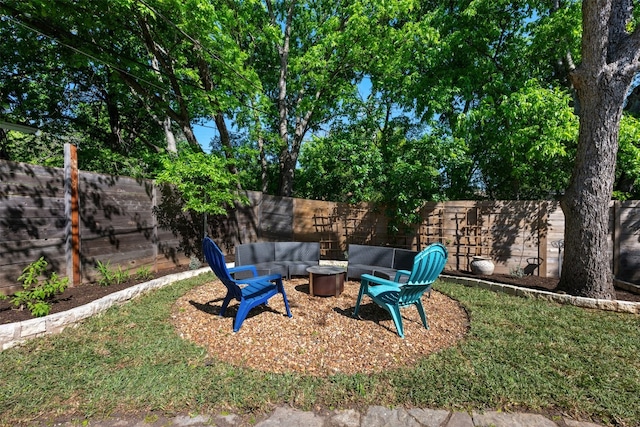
<point x="401" y="273"/>
<point x="269" y="278"/>
<point x="251" y="268"/>
<point x="378" y="280"/>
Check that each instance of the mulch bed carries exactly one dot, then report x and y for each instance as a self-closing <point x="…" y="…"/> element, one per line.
<point x="322" y="338"/>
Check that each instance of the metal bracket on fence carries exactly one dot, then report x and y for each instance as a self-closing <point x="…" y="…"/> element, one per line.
<point x="560" y="245"/>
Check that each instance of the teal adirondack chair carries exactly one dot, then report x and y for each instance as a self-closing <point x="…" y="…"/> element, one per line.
<point x="251" y="292"/>
<point x="393" y="295"/>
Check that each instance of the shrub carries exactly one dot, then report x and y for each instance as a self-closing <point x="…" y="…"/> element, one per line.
<point x="35" y="291"/>
<point x="194" y="263"/>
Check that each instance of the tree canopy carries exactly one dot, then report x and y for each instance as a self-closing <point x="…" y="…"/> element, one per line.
<point x="360" y="100"/>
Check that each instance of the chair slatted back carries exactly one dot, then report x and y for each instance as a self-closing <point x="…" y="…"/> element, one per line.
<point x="216" y="261"/>
<point x="427" y="266"/>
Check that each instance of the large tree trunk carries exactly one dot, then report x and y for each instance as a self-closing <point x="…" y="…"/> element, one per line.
<point x="609" y="62"/>
<point x="586" y="269"/>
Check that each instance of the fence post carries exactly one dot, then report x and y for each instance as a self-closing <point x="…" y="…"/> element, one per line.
<point x="154" y="219"/>
<point x="543" y="231"/>
<point x="615" y="237"/>
<point x="72" y="214"/>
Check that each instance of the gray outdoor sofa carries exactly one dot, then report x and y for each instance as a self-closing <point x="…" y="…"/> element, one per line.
<point x="378" y="260"/>
<point x="285" y="258"/>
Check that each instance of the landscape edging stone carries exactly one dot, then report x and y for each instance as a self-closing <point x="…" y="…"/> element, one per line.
<point x="594" y="303"/>
<point x="13" y="334"/>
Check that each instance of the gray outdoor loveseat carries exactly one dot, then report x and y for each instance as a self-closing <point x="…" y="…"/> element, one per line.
<point x="285" y="258"/>
<point x="380" y="261"/>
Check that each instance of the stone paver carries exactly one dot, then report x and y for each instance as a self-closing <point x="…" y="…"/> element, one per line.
<point x="574" y="423"/>
<point x="502" y="419"/>
<point x="292" y="418"/>
<point x="460" y="419"/>
<point x="429" y="417"/>
<point x="382" y="416"/>
<point x="375" y="416"/>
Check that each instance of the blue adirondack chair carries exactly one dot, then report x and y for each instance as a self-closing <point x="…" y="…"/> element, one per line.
<point x="251" y="292"/>
<point x="393" y="295"/>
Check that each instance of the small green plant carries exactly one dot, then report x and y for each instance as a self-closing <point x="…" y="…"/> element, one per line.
<point x="35" y="292"/>
<point x="517" y="272"/>
<point x="144" y="273"/>
<point x="121" y="275"/>
<point x="110" y="276"/>
<point x="107" y="275"/>
<point x="194" y="263"/>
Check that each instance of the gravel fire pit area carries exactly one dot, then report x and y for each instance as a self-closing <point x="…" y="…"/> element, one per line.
<point x="322" y="338"/>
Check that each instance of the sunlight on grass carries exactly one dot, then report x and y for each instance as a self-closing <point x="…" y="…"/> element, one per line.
<point x="519" y="354"/>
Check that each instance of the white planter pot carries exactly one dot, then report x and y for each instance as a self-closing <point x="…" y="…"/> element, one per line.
<point x="482" y="266"/>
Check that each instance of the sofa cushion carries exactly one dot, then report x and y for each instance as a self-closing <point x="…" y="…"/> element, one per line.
<point x="297" y="268"/>
<point x="285" y="258"/>
<point x="403" y="259"/>
<point x="297" y="251"/>
<point x="354" y="271"/>
<point x="264" y="269"/>
<point x="371" y="255"/>
<point x="363" y="259"/>
<point x="297" y="256"/>
<point x="385" y="273"/>
<point x="255" y="253"/>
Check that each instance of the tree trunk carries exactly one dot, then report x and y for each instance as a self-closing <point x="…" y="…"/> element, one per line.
<point x="225" y="141"/>
<point x="172" y="147"/>
<point x="586" y="268"/>
<point x="287" y="171"/>
<point x="609" y="62"/>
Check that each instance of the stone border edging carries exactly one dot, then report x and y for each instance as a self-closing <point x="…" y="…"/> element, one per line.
<point x="12" y="334"/>
<point x="599" y="304"/>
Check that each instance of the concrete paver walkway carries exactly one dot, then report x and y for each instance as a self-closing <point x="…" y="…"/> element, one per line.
<point x="375" y="416"/>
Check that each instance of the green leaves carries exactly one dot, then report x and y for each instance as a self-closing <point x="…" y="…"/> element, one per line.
<point x="203" y="180"/>
<point x="37" y="291"/>
<point x="484" y="83"/>
<point x="628" y="160"/>
<point x="523" y="142"/>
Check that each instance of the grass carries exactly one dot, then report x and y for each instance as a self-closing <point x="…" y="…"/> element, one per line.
<point x="520" y="354"/>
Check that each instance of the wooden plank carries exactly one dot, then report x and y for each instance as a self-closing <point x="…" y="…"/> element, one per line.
<point x="12" y="264"/>
<point x="36" y="229"/>
<point x="19" y="206"/>
<point x="97" y="247"/>
<point x="31" y="180"/>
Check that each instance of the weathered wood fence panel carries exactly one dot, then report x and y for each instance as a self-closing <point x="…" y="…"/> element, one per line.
<point x="32" y="219"/>
<point x="117" y="223"/>
<point x="275" y="216"/>
<point x="134" y="223"/>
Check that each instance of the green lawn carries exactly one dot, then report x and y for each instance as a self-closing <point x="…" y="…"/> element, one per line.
<point x="519" y="354"/>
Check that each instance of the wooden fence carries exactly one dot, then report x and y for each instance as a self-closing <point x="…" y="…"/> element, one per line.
<point x="134" y="223"/>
